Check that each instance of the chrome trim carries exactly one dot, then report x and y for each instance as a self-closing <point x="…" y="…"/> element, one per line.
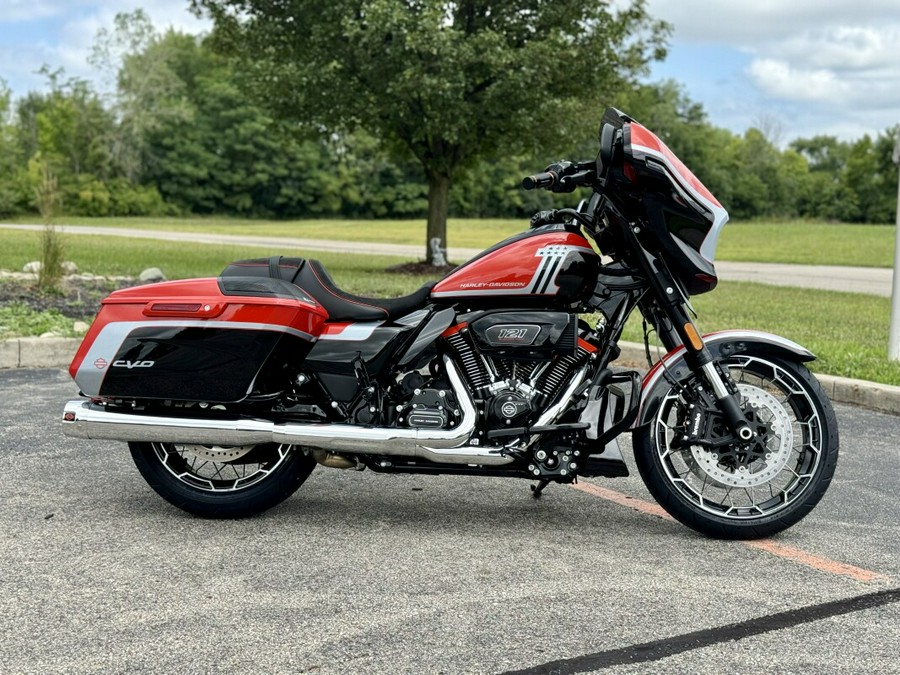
<point x="94" y="422"/>
<point x="715" y="380"/>
<point x="550" y="414"/>
<point x="437" y="445"/>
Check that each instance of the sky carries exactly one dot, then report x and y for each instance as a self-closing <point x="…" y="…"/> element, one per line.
<point x="794" y="68"/>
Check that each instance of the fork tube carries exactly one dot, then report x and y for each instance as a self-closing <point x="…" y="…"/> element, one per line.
<point x="697" y="356"/>
<point x="700" y="359"/>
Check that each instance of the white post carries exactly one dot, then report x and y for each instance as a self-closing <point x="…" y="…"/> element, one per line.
<point x="894" y="336"/>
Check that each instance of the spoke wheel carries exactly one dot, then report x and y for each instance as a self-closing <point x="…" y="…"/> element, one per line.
<point x="753" y="489"/>
<point x="222" y="482"/>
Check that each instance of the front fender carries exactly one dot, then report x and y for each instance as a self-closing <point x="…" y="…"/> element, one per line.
<point x="721" y="344"/>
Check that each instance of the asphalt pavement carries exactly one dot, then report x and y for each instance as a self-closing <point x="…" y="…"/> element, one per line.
<point x="367" y="573"/>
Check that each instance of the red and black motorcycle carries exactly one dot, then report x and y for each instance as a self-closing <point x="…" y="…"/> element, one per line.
<point x="230" y="390"/>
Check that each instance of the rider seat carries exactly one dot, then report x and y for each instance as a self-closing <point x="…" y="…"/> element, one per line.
<point x="311" y="276"/>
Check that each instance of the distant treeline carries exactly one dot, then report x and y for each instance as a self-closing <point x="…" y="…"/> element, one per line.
<point x="180" y="137"/>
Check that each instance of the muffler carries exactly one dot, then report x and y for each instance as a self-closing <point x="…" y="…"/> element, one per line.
<point x="82" y="419"/>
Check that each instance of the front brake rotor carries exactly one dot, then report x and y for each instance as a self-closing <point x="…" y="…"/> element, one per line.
<point x="759" y="461"/>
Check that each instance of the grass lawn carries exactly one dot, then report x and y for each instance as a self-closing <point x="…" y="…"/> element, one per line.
<point x="848" y="332"/>
<point x="808" y="243"/>
<point x="463" y="233"/>
<point x="120" y="256"/>
<point x="804" y="242"/>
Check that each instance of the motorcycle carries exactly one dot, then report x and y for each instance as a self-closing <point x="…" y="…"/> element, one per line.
<point x="230" y="390"/>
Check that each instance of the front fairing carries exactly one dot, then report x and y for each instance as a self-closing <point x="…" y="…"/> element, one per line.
<point x="683" y="220"/>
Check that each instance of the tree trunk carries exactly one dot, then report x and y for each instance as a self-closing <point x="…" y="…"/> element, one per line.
<point x="436" y="232"/>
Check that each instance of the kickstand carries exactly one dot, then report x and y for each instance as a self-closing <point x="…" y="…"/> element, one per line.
<point x="537" y="490"/>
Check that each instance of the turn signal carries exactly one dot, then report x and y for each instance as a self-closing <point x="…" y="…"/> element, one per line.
<point x="693" y="337"/>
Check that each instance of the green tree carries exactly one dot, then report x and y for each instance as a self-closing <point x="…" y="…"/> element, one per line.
<point x="444" y="82"/>
<point x="222" y="152"/>
<point x="8" y="161"/>
<point x="822" y="193"/>
<point x="67" y="128"/>
<point x="864" y="177"/>
<point x="823" y="153"/>
<point x="148" y="92"/>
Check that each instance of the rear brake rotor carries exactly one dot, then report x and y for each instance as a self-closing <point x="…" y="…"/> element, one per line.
<point x="215" y="453"/>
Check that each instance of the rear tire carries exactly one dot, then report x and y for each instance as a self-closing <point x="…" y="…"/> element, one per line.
<point x="745" y="492"/>
<point x="222" y="482"/>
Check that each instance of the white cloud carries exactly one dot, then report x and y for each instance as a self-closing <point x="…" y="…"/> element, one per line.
<point x="34" y="10"/>
<point x="61" y="34"/>
<point x="780" y="79"/>
<point x="842" y="67"/>
<point x="824" y="66"/>
<point x="842" y="47"/>
<point x="747" y="23"/>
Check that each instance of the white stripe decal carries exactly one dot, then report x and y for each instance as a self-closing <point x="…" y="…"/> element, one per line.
<point x="355" y="332"/>
<point x="543" y="281"/>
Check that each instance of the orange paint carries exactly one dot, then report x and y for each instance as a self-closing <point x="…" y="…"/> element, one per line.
<point x="816" y="562"/>
<point x="623" y="500"/>
<point x="767" y="545"/>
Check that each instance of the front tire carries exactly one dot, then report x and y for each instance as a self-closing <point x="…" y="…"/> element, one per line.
<point x="222" y="482"/>
<point x="738" y="492"/>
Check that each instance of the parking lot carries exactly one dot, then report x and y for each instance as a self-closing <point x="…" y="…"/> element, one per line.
<point x="366" y="573"/>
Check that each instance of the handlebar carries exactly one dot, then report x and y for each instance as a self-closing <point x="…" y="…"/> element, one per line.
<point x="562" y="177"/>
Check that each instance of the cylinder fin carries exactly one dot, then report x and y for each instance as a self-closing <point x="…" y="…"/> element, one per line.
<point x="475" y="370"/>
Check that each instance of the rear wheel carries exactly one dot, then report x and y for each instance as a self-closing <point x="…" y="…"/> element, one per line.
<point x="222" y="482"/>
<point x="744" y="490"/>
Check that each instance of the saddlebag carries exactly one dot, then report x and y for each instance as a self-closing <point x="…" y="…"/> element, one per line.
<point x="209" y="340"/>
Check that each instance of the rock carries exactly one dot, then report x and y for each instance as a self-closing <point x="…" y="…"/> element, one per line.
<point x="50" y="334"/>
<point x="80" y="327"/>
<point x="34" y="267"/>
<point x="152" y="274"/>
<point x="68" y="267"/>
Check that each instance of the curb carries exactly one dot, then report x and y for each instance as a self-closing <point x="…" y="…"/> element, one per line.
<point x="34" y="352"/>
<point x="58" y="353"/>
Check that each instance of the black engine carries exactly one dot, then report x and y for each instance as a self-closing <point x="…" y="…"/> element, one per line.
<point x="517" y="362"/>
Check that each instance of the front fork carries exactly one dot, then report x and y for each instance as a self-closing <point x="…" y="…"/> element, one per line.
<point x="677" y="329"/>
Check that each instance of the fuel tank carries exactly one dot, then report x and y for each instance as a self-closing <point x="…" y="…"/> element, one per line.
<point x="550" y="266"/>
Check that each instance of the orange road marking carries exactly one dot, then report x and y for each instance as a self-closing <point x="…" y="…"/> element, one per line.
<point x="767" y="545"/>
<point x="816" y="562"/>
<point x="623" y="500"/>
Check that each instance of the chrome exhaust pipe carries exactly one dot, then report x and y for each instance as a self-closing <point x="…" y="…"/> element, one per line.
<point x="82" y="419"/>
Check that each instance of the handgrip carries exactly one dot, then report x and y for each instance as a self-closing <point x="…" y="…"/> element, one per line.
<point x="539" y="180"/>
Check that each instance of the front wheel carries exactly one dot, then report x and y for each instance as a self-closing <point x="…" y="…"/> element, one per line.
<point x="222" y="482"/>
<point x="752" y="490"/>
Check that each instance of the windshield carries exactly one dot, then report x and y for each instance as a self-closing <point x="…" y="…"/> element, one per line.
<point x="645" y="146"/>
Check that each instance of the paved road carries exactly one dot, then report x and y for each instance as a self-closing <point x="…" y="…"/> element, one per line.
<point x="361" y="572"/>
<point x="871" y="280"/>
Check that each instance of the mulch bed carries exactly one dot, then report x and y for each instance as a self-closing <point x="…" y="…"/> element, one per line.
<point x="78" y="298"/>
